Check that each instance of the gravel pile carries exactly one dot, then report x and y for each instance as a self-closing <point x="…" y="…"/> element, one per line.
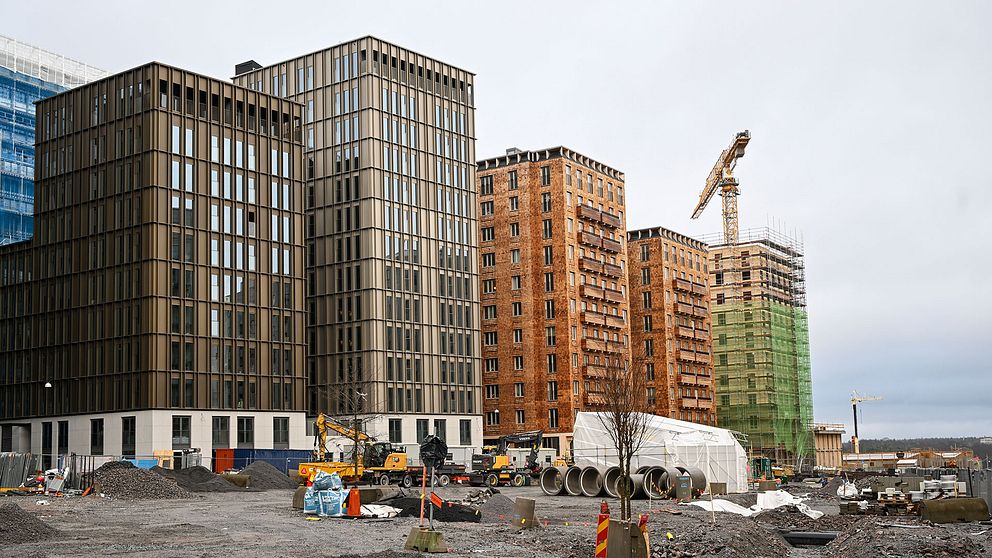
<point x="830" y="490"/>
<point x="789" y="518"/>
<point x="872" y="537"/>
<point x="198" y="479"/>
<point x="17" y="526"/>
<point x="449" y="512"/>
<point x="746" y="499"/>
<point x="498" y="505"/>
<point x="121" y="479"/>
<point x="266" y="477"/>
<point x="732" y="537"/>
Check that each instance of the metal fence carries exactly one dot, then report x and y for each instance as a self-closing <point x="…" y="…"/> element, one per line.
<point x="16" y="467"/>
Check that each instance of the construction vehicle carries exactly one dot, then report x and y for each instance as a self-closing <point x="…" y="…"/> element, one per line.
<point x="855" y="399"/>
<point x="492" y="467"/>
<point x="377" y="462"/>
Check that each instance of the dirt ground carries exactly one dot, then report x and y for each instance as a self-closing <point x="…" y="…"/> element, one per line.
<point x="264" y="524"/>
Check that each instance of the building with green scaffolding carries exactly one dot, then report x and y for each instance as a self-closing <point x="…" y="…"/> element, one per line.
<point x="761" y="344"/>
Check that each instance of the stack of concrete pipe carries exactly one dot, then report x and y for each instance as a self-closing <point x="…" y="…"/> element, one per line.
<point x="652" y="482"/>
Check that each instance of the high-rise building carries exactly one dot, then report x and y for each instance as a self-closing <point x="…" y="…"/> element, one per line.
<point x="159" y="306"/>
<point x="670" y="322"/>
<point x="27" y="74"/>
<point x="761" y="343"/>
<point x="392" y="277"/>
<point x="554" y="288"/>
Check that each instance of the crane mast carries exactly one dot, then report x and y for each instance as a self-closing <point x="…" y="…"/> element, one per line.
<point x="855" y="399"/>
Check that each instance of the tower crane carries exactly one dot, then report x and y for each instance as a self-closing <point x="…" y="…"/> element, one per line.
<point x="722" y="178"/>
<point x="855" y="399"/>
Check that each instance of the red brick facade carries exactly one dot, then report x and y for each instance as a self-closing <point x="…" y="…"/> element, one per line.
<point x="552" y="255"/>
<point x="670" y="322"/>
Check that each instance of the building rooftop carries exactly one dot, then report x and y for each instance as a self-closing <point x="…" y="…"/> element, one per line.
<point x="516" y="156"/>
<point x="654" y="232"/>
<point x="45" y="65"/>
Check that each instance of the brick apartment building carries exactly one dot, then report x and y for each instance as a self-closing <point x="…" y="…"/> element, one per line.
<point x="670" y="322"/>
<point x="554" y="288"/>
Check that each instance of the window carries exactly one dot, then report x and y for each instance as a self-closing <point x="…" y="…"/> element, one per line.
<point x="720" y="298"/>
<point x="96" y="426"/>
<point x="546" y="228"/>
<point x="646" y="299"/>
<point x="492" y="418"/>
<point x="181" y="432"/>
<point x="492" y="391"/>
<point x="220" y="432"/>
<point x="487" y="234"/>
<point x="552" y="391"/>
<point x="518" y="337"/>
<point x="552" y="363"/>
<point x="518" y="389"/>
<point x="549" y="334"/>
<point x="514" y="229"/>
<point x="649" y="347"/>
<point x="489" y="312"/>
<point x="491" y="364"/>
<point x="422" y="430"/>
<point x="486" y="207"/>
<point x="517" y="309"/>
<point x="548" y="255"/>
<point x="552" y="418"/>
<point x="549" y="309"/>
<point x="515" y="255"/>
<point x="549" y="282"/>
<point x="645" y="275"/>
<point x="280" y="432"/>
<point x="486" y="185"/>
<point x="489" y="259"/>
<point x="545" y="176"/>
<point x="514" y="203"/>
<point x="396" y="430"/>
<point x="489" y="338"/>
<point x="489" y="286"/>
<point x="128" y="437"/>
<point x="645" y="252"/>
<point x="511" y="178"/>
<point x="520" y="416"/>
<point x="246" y="432"/>
<point x="515" y="282"/>
<point x="546" y="202"/>
<point x="518" y="362"/>
<point x="465" y="432"/>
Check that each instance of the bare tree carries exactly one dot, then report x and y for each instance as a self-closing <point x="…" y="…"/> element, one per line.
<point x="624" y="415"/>
<point x="350" y="398"/>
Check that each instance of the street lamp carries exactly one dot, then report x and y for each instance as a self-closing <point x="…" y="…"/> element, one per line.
<point x="48" y="384"/>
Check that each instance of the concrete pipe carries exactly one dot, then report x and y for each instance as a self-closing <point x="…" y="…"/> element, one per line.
<point x="668" y="482"/>
<point x="591" y="481"/>
<point x="643" y="469"/>
<point x="610" y="481"/>
<point x="635" y="486"/>
<point x="553" y="481"/>
<point x="572" y="485"/>
<point x="655" y="485"/>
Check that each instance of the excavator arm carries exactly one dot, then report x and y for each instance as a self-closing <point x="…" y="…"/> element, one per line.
<point x="323" y="425"/>
<point x="531" y="439"/>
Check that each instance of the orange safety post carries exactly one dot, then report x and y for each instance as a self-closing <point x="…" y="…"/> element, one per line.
<point x="354" y="503"/>
<point x="602" y="529"/>
<point x="423" y="494"/>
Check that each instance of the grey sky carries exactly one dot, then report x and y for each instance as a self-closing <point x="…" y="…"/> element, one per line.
<point x="870" y="129"/>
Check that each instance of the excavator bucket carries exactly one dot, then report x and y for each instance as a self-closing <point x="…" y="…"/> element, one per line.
<point x="954" y="510"/>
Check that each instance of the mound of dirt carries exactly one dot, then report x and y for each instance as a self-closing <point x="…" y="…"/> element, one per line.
<point x="733" y="536"/>
<point x="198" y="479"/>
<point x="448" y="512"/>
<point x="121" y="479"/>
<point x="874" y="536"/>
<point x="266" y="477"/>
<point x="789" y="518"/>
<point x="17" y="526"/>
<point x="497" y="509"/>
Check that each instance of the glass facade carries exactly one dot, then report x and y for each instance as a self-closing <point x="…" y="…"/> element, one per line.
<point x="27" y="74"/>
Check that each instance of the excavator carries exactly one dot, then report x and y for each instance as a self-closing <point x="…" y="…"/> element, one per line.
<point x="492" y="467"/>
<point x="378" y="462"/>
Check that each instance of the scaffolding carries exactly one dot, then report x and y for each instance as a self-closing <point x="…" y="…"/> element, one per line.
<point x="761" y="343"/>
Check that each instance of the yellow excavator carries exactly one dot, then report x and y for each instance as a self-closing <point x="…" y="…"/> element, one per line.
<point x="371" y="455"/>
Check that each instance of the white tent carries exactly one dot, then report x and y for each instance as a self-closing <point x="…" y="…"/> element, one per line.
<point x="667" y="442"/>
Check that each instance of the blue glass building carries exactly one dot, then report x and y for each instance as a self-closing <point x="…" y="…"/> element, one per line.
<point x="27" y="74"/>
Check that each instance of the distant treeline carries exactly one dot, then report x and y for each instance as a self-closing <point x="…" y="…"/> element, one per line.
<point x="940" y="444"/>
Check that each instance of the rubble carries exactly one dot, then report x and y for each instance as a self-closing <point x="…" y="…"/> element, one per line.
<point x="733" y="536"/>
<point x="875" y="536"/>
<point x="497" y="509"/>
<point x="789" y="518"/>
<point x="121" y="479"/>
<point x="17" y="526"/>
<point x="263" y="476"/>
<point x="198" y="479"/>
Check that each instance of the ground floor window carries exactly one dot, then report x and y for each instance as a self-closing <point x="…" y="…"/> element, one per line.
<point x="128" y="436"/>
<point x="280" y="432"/>
<point x="396" y="431"/>
<point x="465" y="432"/>
<point x="181" y="432"/>
<point x="246" y="432"/>
<point x="221" y="432"/>
<point x="96" y="436"/>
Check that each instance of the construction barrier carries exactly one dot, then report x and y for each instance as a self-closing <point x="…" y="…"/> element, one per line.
<point x="602" y="530"/>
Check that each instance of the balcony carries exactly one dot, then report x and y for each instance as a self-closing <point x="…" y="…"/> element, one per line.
<point x="690" y="403"/>
<point x="594" y="399"/>
<point x="702" y="358"/>
<point x="587" y="212"/>
<point x="683" y="308"/>
<point x="614" y="296"/>
<point x="610" y="220"/>
<point x="589" y="264"/>
<point x="688" y="379"/>
<point x="591" y="291"/>
<point x="683" y="331"/>
<point x="700" y="311"/>
<point x="701" y="335"/>
<point x="681" y="285"/>
<point x="614" y="321"/>
<point x="598" y="345"/>
<point x="590" y="239"/>
<point x="612" y="245"/>
<point x="595" y="371"/>
<point x="612" y="270"/>
<point x="699" y="289"/>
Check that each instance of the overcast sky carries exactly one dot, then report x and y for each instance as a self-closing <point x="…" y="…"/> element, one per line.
<point x="870" y="129"/>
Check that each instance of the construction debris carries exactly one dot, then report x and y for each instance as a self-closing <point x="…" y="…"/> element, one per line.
<point x="121" y="479"/>
<point x="266" y="477"/>
<point x="199" y="479"/>
<point x="17" y="526"/>
<point x="872" y="537"/>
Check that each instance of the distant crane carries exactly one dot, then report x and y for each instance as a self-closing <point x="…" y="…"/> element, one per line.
<point x="855" y="399"/>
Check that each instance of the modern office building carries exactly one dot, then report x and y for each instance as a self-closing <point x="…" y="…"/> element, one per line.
<point x="159" y="305"/>
<point x="761" y="343"/>
<point x="554" y="288"/>
<point x="670" y="322"/>
<point x="391" y="273"/>
<point x="27" y="74"/>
